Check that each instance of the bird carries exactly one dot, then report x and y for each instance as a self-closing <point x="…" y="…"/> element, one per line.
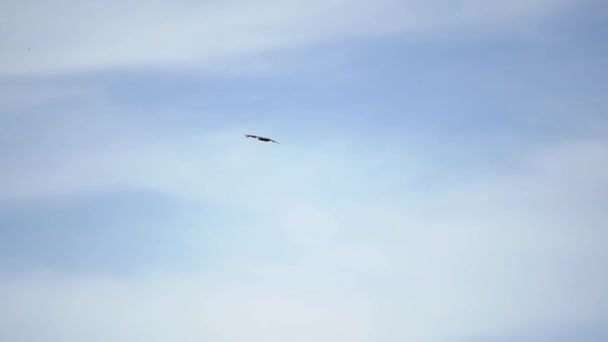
<point x="260" y="138"/>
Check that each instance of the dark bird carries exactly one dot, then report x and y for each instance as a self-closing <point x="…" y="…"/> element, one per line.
<point x="260" y="138"/>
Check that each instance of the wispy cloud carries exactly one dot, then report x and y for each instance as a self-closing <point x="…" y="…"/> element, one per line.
<point x="73" y="37"/>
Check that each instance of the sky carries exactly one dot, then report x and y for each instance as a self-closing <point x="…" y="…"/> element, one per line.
<point x="442" y="172"/>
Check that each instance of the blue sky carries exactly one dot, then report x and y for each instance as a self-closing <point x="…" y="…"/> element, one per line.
<point x="442" y="172"/>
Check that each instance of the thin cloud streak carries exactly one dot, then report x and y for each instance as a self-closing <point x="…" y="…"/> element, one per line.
<point x="101" y="36"/>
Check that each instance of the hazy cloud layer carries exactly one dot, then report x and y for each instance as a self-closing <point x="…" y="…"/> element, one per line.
<point x="503" y="253"/>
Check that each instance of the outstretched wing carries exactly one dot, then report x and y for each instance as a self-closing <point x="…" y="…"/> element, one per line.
<point x="251" y="136"/>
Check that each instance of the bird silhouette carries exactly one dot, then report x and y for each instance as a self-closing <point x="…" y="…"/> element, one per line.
<point x="260" y="138"/>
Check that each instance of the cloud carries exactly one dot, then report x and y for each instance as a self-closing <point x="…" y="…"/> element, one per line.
<point x="188" y="309"/>
<point x="74" y="37"/>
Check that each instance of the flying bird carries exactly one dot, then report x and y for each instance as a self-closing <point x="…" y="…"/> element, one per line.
<point x="260" y="138"/>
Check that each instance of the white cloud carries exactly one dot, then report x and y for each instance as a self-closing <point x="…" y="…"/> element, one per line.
<point x="184" y="308"/>
<point x="71" y="36"/>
